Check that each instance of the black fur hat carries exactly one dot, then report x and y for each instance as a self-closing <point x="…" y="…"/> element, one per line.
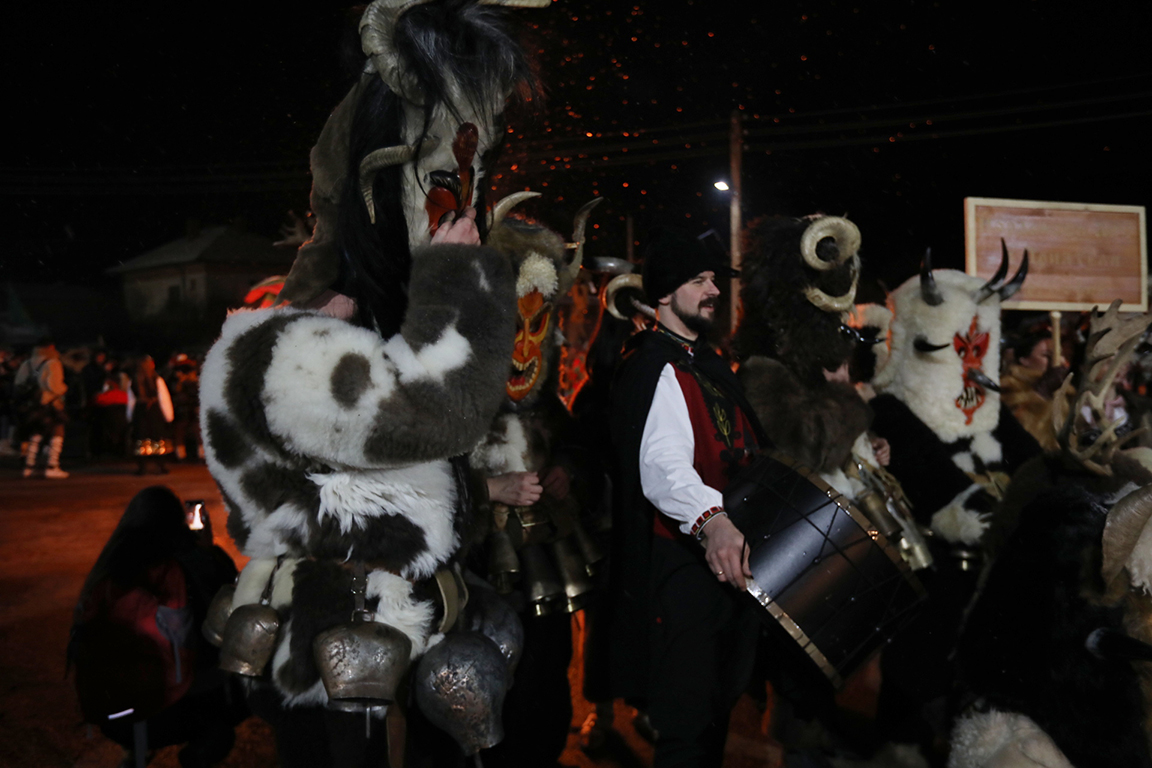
<point x="673" y="258"/>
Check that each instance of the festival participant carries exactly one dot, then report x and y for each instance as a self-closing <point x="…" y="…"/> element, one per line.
<point x="40" y="390"/>
<point x="683" y="640"/>
<point x="338" y="436"/>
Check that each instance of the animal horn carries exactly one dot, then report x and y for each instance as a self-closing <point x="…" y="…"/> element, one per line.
<point x="382" y="158"/>
<point x="608" y="297"/>
<point x="997" y="280"/>
<point x="578" y="224"/>
<point x="844" y="232"/>
<point x="844" y="303"/>
<point x="377" y="26"/>
<point x="506" y="204"/>
<point x="928" y="289"/>
<point x="1009" y="289"/>
<point x="1126" y="521"/>
<point x="518" y="3"/>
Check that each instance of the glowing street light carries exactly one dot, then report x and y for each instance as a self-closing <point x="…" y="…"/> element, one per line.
<point x="721" y="185"/>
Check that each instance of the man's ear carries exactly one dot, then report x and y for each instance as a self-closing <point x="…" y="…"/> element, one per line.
<point x="665" y="301"/>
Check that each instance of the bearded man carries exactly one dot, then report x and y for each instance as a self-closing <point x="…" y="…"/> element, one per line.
<point x="683" y="641"/>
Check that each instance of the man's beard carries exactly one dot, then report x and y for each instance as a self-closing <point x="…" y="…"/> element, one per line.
<point x="694" y="321"/>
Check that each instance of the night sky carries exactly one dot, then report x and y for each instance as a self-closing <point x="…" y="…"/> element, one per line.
<point x="127" y="120"/>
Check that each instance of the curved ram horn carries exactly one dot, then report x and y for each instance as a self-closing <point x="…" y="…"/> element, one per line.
<point x="618" y="283"/>
<point x="928" y="289"/>
<point x="1009" y="289"/>
<point x="1125" y="523"/>
<point x="385" y="157"/>
<point x="578" y="224"/>
<point x="844" y="232"/>
<point x="518" y="3"/>
<point x="506" y="204"/>
<point x="997" y="280"/>
<point x="376" y="28"/>
<point x="844" y="303"/>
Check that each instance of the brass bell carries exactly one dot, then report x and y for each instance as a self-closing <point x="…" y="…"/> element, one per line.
<point x="217" y="617"/>
<point x="573" y="572"/>
<point x="591" y="551"/>
<point x="503" y="564"/>
<point x="876" y="508"/>
<point x="545" y="590"/>
<point x="361" y="663"/>
<point x="249" y="639"/>
<point x="460" y="686"/>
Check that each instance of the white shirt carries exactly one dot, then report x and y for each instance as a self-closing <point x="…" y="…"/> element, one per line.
<point x="667" y="451"/>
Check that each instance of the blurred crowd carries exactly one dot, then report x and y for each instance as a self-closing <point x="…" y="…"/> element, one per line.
<point x="89" y="402"/>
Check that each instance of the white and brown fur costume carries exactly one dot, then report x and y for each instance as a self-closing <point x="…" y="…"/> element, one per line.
<point x="335" y="441"/>
<point x="330" y="444"/>
<point x="953" y="444"/>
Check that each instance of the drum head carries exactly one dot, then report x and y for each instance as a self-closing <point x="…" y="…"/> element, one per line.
<point x="819" y="567"/>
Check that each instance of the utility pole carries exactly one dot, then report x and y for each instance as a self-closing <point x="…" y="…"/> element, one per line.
<point x="736" y="155"/>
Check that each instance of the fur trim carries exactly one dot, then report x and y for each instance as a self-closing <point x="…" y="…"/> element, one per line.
<point x="931" y="382"/>
<point x="423" y="494"/>
<point x="397" y="608"/>
<point x="315" y="694"/>
<point x="504" y="449"/>
<point x="537" y="273"/>
<point x="958" y="523"/>
<point x="1002" y="740"/>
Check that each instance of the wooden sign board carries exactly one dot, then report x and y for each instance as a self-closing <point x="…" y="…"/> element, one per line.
<point x="1080" y="255"/>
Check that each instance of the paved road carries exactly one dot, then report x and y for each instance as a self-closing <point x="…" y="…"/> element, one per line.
<point x="51" y="532"/>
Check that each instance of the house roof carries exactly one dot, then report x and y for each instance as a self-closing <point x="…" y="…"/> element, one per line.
<point x="219" y="245"/>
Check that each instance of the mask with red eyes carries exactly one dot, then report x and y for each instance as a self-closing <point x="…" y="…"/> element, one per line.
<point x="971" y="348"/>
<point x="534" y="319"/>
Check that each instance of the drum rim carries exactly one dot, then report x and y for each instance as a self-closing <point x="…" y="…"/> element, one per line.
<point x="796" y="632"/>
<point x="859" y="517"/>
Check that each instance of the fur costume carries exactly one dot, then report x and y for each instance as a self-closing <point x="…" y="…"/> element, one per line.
<point x="1060" y="631"/>
<point x="953" y="444"/>
<point x="798" y="285"/>
<point x="330" y="444"/>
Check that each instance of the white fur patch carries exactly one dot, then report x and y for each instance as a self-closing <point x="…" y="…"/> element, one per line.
<point x="422" y="493"/>
<point x="315" y="695"/>
<point x="433" y="361"/>
<point x="965" y="461"/>
<point x="482" y="278"/>
<point x="1002" y="740"/>
<point x="398" y="609"/>
<point x="987" y="447"/>
<point x="504" y="449"/>
<point x="957" y="523"/>
<point x="253" y="579"/>
<point x="537" y="273"/>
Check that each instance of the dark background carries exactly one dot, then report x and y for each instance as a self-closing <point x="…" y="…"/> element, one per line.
<point x="127" y="120"/>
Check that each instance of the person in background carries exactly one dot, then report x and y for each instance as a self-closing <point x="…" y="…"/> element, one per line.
<point x="39" y="394"/>
<point x="184" y="385"/>
<point x="1027" y="386"/>
<point x="150" y="413"/>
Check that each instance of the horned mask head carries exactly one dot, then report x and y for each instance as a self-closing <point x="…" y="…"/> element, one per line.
<point x="545" y="268"/>
<point x="945" y="346"/>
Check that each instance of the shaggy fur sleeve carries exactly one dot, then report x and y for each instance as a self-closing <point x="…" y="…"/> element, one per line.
<point x="815" y="426"/>
<point x="322" y="389"/>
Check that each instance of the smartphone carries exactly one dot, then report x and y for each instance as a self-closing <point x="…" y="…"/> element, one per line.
<point x="196" y="515"/>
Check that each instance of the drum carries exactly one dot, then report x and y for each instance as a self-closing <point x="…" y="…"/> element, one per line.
<point x="819" y="567"/>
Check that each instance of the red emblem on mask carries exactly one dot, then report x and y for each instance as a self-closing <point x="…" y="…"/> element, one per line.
<point x="971" y="348"/>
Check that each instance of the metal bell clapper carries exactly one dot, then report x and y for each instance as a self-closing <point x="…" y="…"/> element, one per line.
<point x="542" y="583"/>
<point x="503" y="564"/>
<point x="573" y="572"/>
<point x="460" y="686"/>
<point x="363" y="662"/>
<point x="249" y="636"/>
<point x="217" y="617"/>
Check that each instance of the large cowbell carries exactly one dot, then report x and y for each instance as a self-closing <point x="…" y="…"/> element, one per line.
<point x="250" y="631"/>
<point x="460" y="686"/>
<point x="363" y="662"/>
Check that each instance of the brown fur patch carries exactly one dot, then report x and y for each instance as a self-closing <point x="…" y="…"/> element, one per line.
<point x="249" y="358"/>
<point x="270" y="485"/>
<point x="321" y="599"/>
<point x="235" y="525"/>
<point x="350" y="378"/>
<point x="227" y="441"/>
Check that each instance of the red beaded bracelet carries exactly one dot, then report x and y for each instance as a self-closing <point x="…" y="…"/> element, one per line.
<point x="698" y="526"/>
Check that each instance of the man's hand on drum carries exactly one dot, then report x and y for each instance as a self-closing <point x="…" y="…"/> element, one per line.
<point x="516" y="489"/>
<point x="458" y="230"/>
<point x="725" y="551"/>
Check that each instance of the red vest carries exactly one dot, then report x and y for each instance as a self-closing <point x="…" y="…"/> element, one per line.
<point x="724" y="440"/>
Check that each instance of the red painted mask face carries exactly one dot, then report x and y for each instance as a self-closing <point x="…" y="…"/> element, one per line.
<point x="528" y="354"/>
<point x="971" y="348"/>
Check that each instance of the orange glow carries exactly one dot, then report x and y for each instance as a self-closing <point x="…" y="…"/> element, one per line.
<point x="528" y="353"/>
